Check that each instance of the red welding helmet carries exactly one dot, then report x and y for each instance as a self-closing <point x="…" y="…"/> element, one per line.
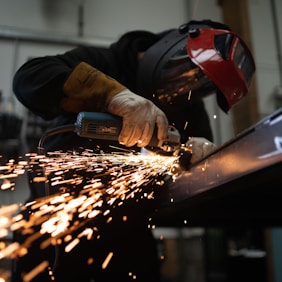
<point x="197" y="59"/>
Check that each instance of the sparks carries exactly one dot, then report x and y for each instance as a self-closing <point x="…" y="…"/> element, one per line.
<point x="189" y="94"/>
<point x="107" y="260"/>
<point x="82" y="186"/>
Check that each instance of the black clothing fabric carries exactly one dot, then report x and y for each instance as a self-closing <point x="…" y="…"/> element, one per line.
<point x="38" y="85"/>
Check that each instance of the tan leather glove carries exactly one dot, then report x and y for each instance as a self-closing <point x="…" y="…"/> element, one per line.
<point x="88" y="89"/>
<point x="199" y="147"/>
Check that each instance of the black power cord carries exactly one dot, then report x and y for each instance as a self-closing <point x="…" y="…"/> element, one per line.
<point x="54" y="131"/>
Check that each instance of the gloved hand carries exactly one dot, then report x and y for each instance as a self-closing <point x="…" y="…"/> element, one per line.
<point x="88" y="89"/>
<point x="199" y="147"/>
<point x="140" y="116"/>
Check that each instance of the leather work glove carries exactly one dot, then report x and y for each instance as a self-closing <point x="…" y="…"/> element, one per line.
<point x="199" y="148"/>
<point x="88" y="89"/>
<point x="140" y="116"/>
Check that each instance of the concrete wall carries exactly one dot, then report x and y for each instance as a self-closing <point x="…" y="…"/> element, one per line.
<point x="264" y="38"/>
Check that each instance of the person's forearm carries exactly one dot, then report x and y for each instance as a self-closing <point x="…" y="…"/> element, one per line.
<point x="89" y="89"/>
<point x="38" y="84"/>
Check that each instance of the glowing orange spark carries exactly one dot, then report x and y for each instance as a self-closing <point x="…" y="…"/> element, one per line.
<point x="83" y="186"/>
<point x="107" y="260"/>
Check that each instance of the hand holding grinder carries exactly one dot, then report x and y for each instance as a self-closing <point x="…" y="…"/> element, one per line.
<point x="104" y="126"/>
<point x="108" y="127"/>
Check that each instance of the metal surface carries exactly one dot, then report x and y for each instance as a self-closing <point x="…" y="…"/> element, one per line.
<point x="241" y="181"/>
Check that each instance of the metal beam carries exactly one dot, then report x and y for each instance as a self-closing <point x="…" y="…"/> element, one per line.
<point x="54" y="38"/>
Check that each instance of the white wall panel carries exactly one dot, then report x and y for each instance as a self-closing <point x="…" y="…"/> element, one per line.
<point x="105" y="18"/>
<point x="42" y="15"/>
<point x="265" y="51"/>
<point x="7" y="53"/>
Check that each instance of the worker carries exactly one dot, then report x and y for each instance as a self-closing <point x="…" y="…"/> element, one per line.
<point x="149" y="80"/>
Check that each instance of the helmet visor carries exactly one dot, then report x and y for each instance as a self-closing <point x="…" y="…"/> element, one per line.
<point x="180" y="78"/>
<point x="226" y="60"/>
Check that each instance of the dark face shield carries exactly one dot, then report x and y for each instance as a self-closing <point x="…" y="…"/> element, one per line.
<point x="197" y="62"/>
<point x="180" y="79"/>
<point x="244" y="62"/>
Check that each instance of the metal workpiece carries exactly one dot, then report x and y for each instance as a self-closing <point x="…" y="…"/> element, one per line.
<point x="244" y="171"/>
<point x="256" y="149"/>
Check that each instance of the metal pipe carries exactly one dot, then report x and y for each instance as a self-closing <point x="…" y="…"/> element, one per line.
<point x="43" y="37"/>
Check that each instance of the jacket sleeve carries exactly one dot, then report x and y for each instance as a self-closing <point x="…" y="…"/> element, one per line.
<point x="38" y="84"/>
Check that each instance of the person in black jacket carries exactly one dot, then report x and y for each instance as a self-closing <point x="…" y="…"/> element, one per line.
<point x="149" y="80"/>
